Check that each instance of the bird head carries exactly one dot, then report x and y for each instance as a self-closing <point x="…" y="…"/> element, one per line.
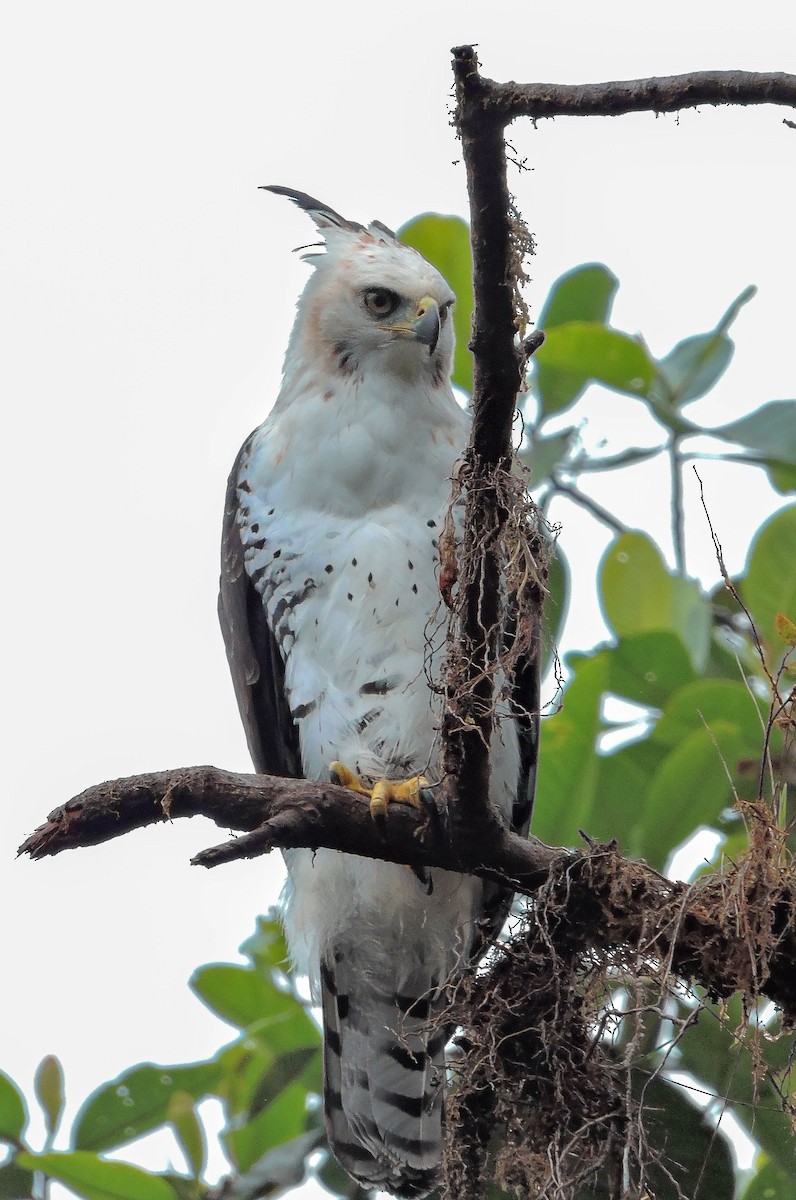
<point x="372" y="301"/>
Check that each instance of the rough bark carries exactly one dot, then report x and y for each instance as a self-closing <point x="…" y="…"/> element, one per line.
<point x="709" y="931"/>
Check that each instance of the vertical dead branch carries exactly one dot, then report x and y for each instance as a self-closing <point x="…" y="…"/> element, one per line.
<point x="496" y="382"/>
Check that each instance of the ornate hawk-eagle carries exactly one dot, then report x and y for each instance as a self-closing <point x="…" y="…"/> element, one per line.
<point x="334" y="628"/>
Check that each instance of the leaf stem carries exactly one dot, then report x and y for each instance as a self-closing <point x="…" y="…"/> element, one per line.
<point x="580" y="498"/>
<point x="678" y="518"/>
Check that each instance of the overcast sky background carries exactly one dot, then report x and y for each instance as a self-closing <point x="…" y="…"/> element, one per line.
<point x="147" y="291"/>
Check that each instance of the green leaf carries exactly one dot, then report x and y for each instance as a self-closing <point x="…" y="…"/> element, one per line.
<point x="708" y="700"/>
<point x="639" y="594"/>
<point x="13" y="1113"/>
<point x="648" y="667"/>
<point x="283" y="1167"/>
<point x="545" y="454"/>
<point x="581" y="352"/>
<point x="267" y="950"/>
<point x="625" y="773"/>
<point x="786" y="629"/>
<point x="445" y="242"/>
<point x="692" y="1150"/>
<point x="568" y="764"/>
<point x="695" y="364"/>
<point x="96" y="1179"/>
<point x="282" y="1120"/>
<point x="241" y="996"/>
<point x="771" y="430"/>
<point x="712" y="1053"/>
<point x="586" y="293"/>
<point x="188" y="1131"/>
<point x="690" y="788"/>
<point x="555" y="606"/>
<point x="770" y="1182"/>
<point x="782" y="476"/>
<point x="770" y="583"/>
<point x="583" y="294"/>
<point x="138" y="1100"/>
<point x="185" y="1188"/>
<point x="243" y="1066"/>
<point x="15" y="1182"/>
<point x="298" y="1064"/>
<point x="49" y="1086"/>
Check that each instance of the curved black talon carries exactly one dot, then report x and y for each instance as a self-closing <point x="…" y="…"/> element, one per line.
<point x="436" y="819"/>
<point x="424" y="878"/>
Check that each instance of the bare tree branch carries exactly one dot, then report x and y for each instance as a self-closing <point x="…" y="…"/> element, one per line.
<point x="278" y="813"/>
<point x="497" y="374"/>
<point x="503" y="102"/>
<point x="710" y="930"/>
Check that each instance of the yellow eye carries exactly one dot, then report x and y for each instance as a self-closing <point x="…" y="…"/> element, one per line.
<point x="380" y="302"/>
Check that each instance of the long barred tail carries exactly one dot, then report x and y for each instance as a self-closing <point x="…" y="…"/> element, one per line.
<point x="384" y="1078"/>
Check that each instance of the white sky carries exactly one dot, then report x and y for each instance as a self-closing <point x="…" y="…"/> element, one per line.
<point x="147" y="291"/>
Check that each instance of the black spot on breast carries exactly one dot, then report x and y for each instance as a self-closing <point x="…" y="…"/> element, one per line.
<point x="271" y="512"/>
<point x="367" y="719"/>
<point x="380" y="687"/>
<point x="255" y="528"/>
<point x="414" y="588"/>
<point x="304" y="710"/>
<point x="353" y="562"/>
<point x="277" y="553"/>
<point x="370" y="580"/>
<point x="328" y="568"/>
<point x="350" y="597"/>
<point x="243" y="486"/>
<point x="431" y="523"/>
<point x="411" y="565"/>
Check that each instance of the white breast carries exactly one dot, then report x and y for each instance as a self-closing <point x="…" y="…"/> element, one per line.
<point x="340" y="523"/>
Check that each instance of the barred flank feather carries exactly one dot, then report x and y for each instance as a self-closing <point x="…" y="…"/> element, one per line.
<point x="383" y="1082"/>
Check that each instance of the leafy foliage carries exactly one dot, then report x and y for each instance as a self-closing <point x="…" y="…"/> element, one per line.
<point x="695" y="698"/>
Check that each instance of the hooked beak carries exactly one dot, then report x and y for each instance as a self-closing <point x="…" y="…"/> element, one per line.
<point x="426" y="324"/>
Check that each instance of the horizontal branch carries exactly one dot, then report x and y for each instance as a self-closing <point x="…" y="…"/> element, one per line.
<point x="733" y="930"/>
<point x="665" y="94"/>
<point x="283" y="814"/>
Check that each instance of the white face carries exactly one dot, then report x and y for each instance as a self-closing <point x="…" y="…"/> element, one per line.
<point x="381" y="305"/>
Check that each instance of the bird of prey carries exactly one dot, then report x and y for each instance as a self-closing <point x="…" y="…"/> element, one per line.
<point x="334" y="628"/>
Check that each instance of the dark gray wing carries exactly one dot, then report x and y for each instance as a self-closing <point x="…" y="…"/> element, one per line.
<point x="258" y="673"/>
<point x="526" y="698"/>
<point x="525" y="701"/>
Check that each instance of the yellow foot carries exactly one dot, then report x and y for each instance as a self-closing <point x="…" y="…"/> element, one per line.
<point x="383" y="792"/>
<point x="345" y="777"/>
<point x="395" y="791"/>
